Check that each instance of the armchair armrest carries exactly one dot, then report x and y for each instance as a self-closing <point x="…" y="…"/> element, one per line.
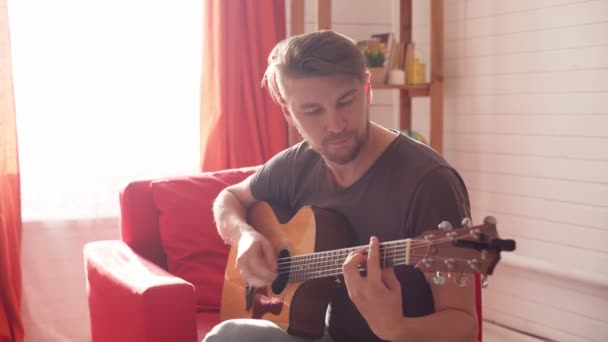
<point x="132" y="299"/>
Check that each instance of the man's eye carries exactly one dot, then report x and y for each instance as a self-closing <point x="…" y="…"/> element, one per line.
<point x="345" y="102"/>
<point x="316" y="111"/>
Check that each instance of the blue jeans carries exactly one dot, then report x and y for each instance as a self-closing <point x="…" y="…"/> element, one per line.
<point x="254" y="330"/>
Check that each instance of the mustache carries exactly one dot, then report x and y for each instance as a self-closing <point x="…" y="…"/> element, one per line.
<point x="337" y="137"/>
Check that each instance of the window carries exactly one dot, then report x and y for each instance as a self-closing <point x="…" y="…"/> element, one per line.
<point x="105" y="92"/>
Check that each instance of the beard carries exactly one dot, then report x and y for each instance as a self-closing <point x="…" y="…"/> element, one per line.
<point x="342" y="157"/>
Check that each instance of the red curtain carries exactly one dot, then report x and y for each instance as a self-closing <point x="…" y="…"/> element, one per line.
<point x="11" y="325"/>
<point x="240" y="125"/>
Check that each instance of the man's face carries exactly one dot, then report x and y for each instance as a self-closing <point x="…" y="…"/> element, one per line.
<point x="330" y="112"/>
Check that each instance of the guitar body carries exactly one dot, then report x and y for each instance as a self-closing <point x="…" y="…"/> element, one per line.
<point x="297" y="307"/>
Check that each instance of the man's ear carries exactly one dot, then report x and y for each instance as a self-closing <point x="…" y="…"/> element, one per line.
<point x="368" y="88"/>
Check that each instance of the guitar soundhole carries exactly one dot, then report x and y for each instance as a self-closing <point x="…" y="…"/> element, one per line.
<point x="279" y="284"/>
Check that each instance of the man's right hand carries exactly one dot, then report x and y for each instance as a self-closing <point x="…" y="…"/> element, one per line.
<point x="256" y="259"/>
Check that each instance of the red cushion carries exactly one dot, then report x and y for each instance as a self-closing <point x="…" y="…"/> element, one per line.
<point x="195" y="252"/>
<point x="205" y="321"/>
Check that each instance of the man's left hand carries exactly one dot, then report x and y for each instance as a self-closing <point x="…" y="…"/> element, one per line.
<point x="378" y="295"/>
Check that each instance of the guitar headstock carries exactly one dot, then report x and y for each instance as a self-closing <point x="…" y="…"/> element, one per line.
<point x="468" y="249"/>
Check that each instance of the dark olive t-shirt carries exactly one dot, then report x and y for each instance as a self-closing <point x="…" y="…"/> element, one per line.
<point x="409" y="189"/>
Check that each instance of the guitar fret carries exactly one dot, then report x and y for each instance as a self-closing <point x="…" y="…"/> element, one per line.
<point x="395" y="250"/>
<point x="394" y="253"/>
<point x="303" y="268"/>
<point x="327" y="263"/>
<point x="322" y="260"/>
<point x="407" y="256"/>
<point x="299" y="268"/>
<point x="383" y="255"/>
<point x="294" y="269"/>
<point x="336" y="260"/>
<point x="309" y="271"/>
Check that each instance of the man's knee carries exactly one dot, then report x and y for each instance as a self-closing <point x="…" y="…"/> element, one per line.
<point x="225" y="331"/>
<point x="238" y="329"/>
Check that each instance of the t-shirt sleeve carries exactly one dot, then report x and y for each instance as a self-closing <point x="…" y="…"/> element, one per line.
<point x="272" y="181"/>
<point x="440" y="196"/>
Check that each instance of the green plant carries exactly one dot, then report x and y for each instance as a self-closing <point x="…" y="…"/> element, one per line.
<point x="375" y="54"/>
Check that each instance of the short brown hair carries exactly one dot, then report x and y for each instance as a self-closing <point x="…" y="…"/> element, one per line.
<point x="321" y="53"/>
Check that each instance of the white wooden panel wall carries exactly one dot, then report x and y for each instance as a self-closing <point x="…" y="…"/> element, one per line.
<point x="526" y="123"/>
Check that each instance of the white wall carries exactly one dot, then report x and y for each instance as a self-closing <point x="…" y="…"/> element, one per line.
<point x="526" y="118"/>
<point x="54" y="300"/>
<point x="526" y="123"/>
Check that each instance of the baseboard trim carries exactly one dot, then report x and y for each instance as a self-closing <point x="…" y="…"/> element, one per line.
<point x="495" y="328"/>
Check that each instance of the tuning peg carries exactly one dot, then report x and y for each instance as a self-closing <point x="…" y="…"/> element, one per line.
<point x="484" y="281"/>
<point x="466" y="222"/>
<point x="461" y="280"/>
<point x="490" y="220"/>
<point x="445" y="226"/>
<point x="439" y="278"/>
<point x="506" y="245"/>
<point x="476" y="233"/>
<point x="474" y="264"/>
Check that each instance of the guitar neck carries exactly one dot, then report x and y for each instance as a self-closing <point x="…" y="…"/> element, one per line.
<point x="329" y="263"/>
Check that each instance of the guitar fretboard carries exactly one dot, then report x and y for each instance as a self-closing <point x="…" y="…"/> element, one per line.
<point x="329" y="263"/>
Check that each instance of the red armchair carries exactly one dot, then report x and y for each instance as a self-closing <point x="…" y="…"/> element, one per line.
<point x="163" y="280"/>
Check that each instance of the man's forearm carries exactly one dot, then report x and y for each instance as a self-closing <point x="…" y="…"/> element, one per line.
<point x="447" y="325"/>
<point x="230" y="216"/>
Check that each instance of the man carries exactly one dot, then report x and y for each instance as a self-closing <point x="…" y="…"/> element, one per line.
<point x="388" y="186"/>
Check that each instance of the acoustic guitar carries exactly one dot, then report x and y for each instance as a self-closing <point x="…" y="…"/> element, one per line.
<point x="311" y="247"/>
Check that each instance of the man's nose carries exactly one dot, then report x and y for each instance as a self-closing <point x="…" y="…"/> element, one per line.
<point x="335" y="122"/>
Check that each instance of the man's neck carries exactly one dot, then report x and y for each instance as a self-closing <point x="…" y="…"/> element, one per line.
<point x="377" y="141"/>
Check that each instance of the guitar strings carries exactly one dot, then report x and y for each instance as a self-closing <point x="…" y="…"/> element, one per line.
<point x="338" y="271"/>
<point x="326" y="262"/>
<point x="345" y="251"/>
<point x="395" y="262"/>
<point x="392" y="246"/>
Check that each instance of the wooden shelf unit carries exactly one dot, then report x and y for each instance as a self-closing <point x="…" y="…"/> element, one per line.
<point x="412" y="90"/>
<point x="433" y="89"/>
